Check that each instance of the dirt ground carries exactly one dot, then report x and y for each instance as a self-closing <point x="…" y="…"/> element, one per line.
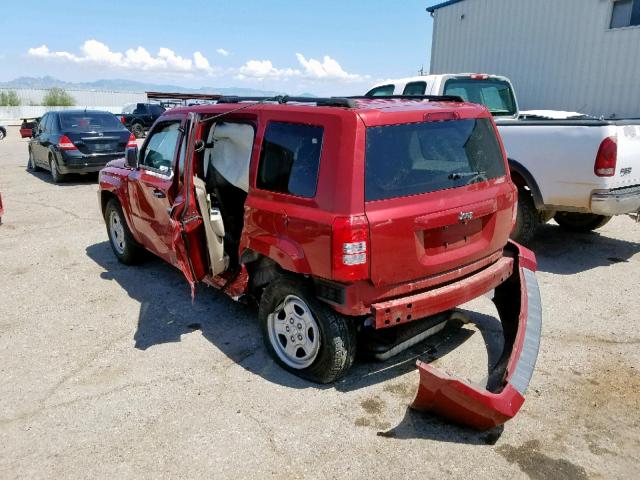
<point x="109" y="371"/>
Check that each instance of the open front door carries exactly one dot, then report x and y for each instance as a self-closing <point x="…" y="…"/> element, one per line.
<point x="187" y="226"/>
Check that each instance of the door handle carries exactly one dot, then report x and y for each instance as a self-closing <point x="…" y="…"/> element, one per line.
<point x="158" y="193"/>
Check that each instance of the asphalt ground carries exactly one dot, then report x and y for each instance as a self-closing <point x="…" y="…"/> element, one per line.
<point x="108" y="371"/>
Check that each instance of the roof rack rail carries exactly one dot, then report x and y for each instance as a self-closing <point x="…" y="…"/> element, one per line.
<point x="430" y="98"/>
<point x="282" y="99"/>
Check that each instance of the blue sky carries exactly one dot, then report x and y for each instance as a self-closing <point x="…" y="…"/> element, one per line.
<point x="324" y="47"/>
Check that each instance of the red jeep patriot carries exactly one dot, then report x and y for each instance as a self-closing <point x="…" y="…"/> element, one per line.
<point x="337" y="215"/>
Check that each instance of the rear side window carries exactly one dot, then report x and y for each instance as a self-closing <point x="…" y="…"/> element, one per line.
<point x="290" y="159"/>
<point x="384" y="91"/>
<point x="495" y="94"/>
<point x="415" y="88"/>
<point x="416" y="158"/>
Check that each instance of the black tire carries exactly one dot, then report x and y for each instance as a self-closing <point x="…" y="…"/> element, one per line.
<point x="527" y="219"/>
<point x="56" y="176"/>
<point x="3" y="133"/>
<point x="337" y="348"/>
<point x="128" y="251"/>
<point x="580" y="222"/>
<point x="31" y="163"/>
<point x="138" y="130"/>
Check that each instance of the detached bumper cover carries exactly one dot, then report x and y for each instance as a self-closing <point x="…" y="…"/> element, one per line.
<point x="519" y="306"/>
<point x="616" y="202"/>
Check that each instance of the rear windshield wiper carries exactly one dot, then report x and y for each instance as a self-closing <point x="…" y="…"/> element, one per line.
<point x="459" y="175"/>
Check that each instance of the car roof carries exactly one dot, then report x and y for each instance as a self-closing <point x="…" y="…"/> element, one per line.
<point x="372" y="111"/>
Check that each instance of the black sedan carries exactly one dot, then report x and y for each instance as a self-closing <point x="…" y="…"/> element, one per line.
<point x="77" y="141"/>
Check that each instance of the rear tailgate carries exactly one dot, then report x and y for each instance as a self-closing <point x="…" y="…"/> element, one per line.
<point x="437" y="197"/>
<point x="100" y="142"/>
<point x="628" y="164"/>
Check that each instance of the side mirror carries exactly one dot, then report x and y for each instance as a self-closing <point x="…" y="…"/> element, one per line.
<point x="131" y="158"/>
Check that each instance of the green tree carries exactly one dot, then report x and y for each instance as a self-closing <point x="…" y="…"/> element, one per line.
<point x="58" y="97"/>
<point x="9" y="99"/>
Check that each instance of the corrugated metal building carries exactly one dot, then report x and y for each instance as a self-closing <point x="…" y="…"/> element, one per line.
<point x="576" y="55"/>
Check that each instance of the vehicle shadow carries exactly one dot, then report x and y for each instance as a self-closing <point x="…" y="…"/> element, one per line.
<point x="567" y="253"/>
<point x="70" y="180"/>
<point x="167" y="313"/>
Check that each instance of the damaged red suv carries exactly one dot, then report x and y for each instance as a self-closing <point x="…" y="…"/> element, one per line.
<point x="339" y="216"/>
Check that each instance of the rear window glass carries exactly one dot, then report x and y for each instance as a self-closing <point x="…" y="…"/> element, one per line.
<point x="495" y="94"/>
<point x="415" y="88"/>
<point x="89" y="121"/>
<point x="416" y="158"/>
<point x="290" y="159"/>
<point x="384" y="91"/>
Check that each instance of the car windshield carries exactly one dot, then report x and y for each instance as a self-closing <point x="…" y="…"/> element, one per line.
<point x="495" y="94"/>
<point x="89" y="121"/>
<point x="416" y="158"/>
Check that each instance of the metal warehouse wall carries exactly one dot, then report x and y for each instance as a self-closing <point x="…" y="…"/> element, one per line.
<point x="561" y="55"/>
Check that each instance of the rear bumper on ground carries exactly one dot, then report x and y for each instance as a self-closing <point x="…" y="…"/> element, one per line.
<point x="519" y="306"/>
<point x="616" y="202"/>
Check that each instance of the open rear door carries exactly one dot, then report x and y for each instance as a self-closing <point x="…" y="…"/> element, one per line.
<point x="187" y="226"/>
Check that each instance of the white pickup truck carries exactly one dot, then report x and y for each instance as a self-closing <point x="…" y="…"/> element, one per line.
<point x="576" y="169"/>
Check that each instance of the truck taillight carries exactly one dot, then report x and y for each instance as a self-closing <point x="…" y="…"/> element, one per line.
<point x="479" y="76"/>
<point x="123" y="120"/>
<point x="66" y="144"/>
<point x="132" y="142"/>
<point x="607" y="158"/>
<point x="350" y="248"/>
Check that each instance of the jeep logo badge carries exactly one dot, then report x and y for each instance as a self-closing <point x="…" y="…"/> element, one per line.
<point x="465" y="217"/>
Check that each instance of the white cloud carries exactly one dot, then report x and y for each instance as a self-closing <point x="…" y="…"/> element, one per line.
<point x="261" y="69"/>
<point x="97" y="53"/>
<point x="312" y="69"/>
<point x="328" y="69"/>
<point x="223" y="52"/>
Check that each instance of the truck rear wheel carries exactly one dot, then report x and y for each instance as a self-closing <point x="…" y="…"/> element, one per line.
<point x="527" y="219"/>
<point x="580" y="222"/>
<point x="303" y="335"/>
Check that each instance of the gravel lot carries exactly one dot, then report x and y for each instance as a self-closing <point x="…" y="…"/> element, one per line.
<point x="110" y="371"/>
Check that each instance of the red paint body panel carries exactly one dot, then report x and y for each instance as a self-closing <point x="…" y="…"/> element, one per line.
<point x="479" y="408"/>
<point x="426" y="304"/>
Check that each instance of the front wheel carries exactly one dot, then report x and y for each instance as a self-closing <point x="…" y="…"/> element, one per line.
<point x="124" y="246"/>
<point x="527" y="218"/>
<point x="3" y="133"/>
<point x="31" y="165"/>
<point x="302" y="334"/>
<point x="138" y="130"/>
<point x="580" y="222"/>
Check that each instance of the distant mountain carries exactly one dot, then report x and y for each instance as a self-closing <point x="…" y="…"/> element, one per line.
<point x="121" y="85"/>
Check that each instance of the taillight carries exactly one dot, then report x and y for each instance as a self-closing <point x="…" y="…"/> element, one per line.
<point x="132" y="142"/>
<point x="607" y="158"/>
<point x="123" y="120"/>
<point x="479" y="76"/>
<point x="66" y="144"/>
<point x="350" y="248"/>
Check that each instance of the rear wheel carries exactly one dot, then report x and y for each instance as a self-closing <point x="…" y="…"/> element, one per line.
<point x="3" y="133"/>
<point x="580" y="222"/>
<point x="303" y="335"/>
<point x="56" y="176"/>
<point x="527" y="219"/>
<point x="124" y="246"/>
<point x="138" y="130"/>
